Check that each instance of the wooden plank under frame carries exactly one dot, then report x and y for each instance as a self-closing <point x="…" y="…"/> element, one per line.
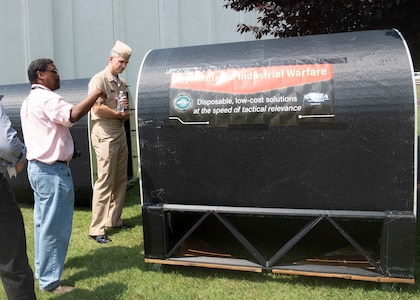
<point x="209" y="262"/>
<point x="245" y="265"/>
<point x="338" y="272"/>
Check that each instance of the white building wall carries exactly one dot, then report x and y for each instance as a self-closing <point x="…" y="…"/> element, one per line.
<point x="78" y="34"/>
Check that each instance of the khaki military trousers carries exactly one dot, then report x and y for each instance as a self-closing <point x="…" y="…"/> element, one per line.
<point x="110" y="144"/>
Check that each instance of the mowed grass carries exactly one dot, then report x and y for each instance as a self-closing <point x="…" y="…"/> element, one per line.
<point x="117" y="271"/>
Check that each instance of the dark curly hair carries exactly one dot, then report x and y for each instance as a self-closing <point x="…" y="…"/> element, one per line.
<point x="37" y="65"/>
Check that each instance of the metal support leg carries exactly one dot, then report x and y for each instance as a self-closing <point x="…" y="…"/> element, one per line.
<point x="248" y="246"/>
<point x="293" y="241"/>
<point x="356" y="245"/>
<point x="183" y="239"/>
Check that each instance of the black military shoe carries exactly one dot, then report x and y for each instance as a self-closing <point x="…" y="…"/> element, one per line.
<point x="101" y="239"/>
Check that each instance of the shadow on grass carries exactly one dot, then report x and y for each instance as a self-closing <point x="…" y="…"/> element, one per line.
<point x="107" y="291"/>
<point x="102" y="262"/>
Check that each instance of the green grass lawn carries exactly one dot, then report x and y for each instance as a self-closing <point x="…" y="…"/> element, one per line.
<point x="117" y="271"/>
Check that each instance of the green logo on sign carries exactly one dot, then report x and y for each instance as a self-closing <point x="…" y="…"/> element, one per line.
<point x="183" y="103"/>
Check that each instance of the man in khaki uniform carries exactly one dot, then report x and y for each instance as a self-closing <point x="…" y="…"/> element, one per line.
<point x="109" y="140"/>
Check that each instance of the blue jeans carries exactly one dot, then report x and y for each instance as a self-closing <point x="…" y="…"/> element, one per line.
<point x="53" y="218"/>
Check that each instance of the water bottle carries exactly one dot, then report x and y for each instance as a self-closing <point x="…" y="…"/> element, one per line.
<point x="120" y="106"/>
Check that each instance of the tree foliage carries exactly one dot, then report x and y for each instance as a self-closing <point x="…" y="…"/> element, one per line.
<point x="286" y="18"/>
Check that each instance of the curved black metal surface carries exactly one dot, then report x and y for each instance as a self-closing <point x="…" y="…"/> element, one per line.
<point x="363" y="158"/>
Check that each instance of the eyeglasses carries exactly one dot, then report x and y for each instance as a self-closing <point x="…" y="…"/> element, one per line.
<point x="52" y="71"/>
